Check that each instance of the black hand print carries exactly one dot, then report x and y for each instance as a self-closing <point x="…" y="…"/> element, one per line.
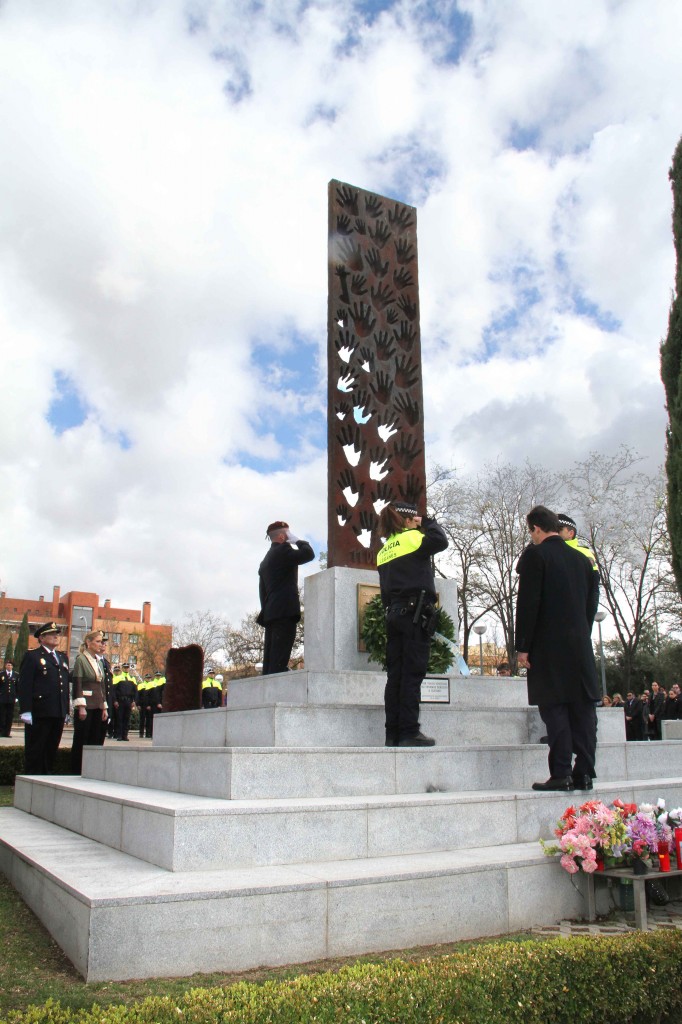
<point x="346" y="481"/>
<point x="406" y="451"/>
<point x="349" y="253"/>
<point x="382" y="296"/>
<point x="382" y="492"/>
<point x="406" y="336"/>
<point x="380" y="234"/>
<point x="343" y="225"/>
<point x="362" y="318"/>
<point x="358" y="284"/>
<point x="368" y="521"/>
<point x="374" y="263"/>
<point x="341" y="410"/>
<point x="350" y="436"/>
<point x="361" y="403"/>
<point x="345" y="340"/>
<point x="403" y="251"/>
<point x="383" y="388"/>
<point x="347" y="198"/>
<point x="342" y="274"/>
<point x="360" y="226"/>
<point x="402" y="278"/>
<point x="411" y="490"/>
<point x="408" y="408"/>
<point x="391" y="316"/>
<point x="406" y="372"/>
<point x="408" y="307"/>
<point x="373" y="206"/>
<point x="344" y="513"/>
<point x="366" y="356"/>
<point x="400" y="218"/>
<point x="341" y="316"/>
<point x="383" y="346"/>
<point x="390" y="420"/>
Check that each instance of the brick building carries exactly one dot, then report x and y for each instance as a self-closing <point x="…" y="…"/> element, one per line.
<point x="132" y="635"/>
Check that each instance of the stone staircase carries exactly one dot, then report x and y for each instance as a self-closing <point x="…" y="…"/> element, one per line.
<point x="281" y="830"/>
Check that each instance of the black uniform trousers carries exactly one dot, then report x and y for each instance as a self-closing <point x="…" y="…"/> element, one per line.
<point x="571" y="729"/>
<point x="6" y="718"/>
<point x="407" y="660"/>
<point x="41" y="743"/>
<point x="123" y="718"/>
<point x="279" y="642"/>
<point x="89" y="731"/>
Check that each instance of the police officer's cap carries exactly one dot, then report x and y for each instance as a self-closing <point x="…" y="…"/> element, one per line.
<point x="279" y="524"/>
<point x="566" y="520"/>
<point x="406" y="508"/>
<point x="158" y="673"/>
<point x="126" y="664"/>
<point x="147" y="678"/>
<point x="49" y="627"/>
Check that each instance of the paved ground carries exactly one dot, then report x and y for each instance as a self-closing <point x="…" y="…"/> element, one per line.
<point x="17" y="738"/>
<point x="618" y="922"/>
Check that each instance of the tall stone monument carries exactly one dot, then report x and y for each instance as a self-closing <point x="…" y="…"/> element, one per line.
<point x="375" y="412"/>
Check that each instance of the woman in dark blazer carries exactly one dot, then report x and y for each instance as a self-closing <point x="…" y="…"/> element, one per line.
<point x="89" y="698"/>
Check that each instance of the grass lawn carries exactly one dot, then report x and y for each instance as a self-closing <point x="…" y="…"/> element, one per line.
<point x="33" y="968"/>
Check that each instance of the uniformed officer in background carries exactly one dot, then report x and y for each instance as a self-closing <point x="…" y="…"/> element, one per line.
<point x="43" y="699"/>
<point x="211" y="691"/>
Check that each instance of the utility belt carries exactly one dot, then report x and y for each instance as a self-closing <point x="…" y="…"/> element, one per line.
<point x="419" y="607"/>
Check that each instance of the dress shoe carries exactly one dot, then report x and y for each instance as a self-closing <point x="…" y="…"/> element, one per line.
<point x="391" y="740"/>
<point x="420" y="740"/>
<point x="555" y="785"/>
<point x="582" y="782"/>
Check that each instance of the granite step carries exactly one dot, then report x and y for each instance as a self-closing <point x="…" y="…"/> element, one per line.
<point x="179" y="923"/>
<point x="248" y="773"/>
<point x="360" y="725"/>
<point x="186" y="833"/>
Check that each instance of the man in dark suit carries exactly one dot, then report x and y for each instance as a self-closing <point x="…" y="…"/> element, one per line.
<point x="278" y="588"/>
<point x="43" y="700"/>
<point x="656" y="709"/>
<point x="634" y="723"/>
<point x="555" y="609"/>
<point x="8" y="696"/>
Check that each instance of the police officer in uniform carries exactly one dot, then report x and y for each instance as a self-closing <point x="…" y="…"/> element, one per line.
<point x="211" y="691"/>
<point x="125" y="695"/>
<point x="8" y="697"/>
<point x="43" y="699"/>
<point x="408" y="593"/>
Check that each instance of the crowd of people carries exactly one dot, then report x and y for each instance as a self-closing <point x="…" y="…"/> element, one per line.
<point x="644" y="715"/>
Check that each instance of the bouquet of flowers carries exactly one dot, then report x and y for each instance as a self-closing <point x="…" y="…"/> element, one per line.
<point x="588" y="835"/>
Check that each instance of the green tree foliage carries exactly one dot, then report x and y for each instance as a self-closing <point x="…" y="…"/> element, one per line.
<point x="22" y="642"/>
<point x="9" y="649"/>
<point x="671" y="375"/>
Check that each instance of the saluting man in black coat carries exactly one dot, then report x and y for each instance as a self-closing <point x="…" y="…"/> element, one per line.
<point x="555" y="609"/>
<point x="278" y="588"/>
<point x="43" y="700"/>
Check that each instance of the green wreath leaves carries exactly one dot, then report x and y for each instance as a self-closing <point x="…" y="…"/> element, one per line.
<point x="374" y="635"/>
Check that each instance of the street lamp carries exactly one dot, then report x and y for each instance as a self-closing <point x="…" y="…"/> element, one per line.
<point x="480" y="630"/>
<point x="599" y="618"/>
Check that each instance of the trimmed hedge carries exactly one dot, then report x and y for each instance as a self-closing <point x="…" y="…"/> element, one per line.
<point x="626" y="979"/>
<point x="12" y="763"/>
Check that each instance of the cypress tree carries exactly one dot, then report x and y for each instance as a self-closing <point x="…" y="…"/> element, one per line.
<point x="671" y="375"/>
<point x="9" y="650"/>
<point x="22" y="642"/>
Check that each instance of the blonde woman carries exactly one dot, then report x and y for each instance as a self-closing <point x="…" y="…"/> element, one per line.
<point x="89" y="697"/>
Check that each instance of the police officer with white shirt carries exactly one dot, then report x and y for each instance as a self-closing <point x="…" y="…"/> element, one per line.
<point x="43" y="699"/>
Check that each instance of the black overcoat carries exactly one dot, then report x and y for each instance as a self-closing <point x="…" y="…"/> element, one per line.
<point x="8" y="687"/>
<point x="554" y="615"/>
<point x="44" y="686"/>
<point x="278" y="581"/>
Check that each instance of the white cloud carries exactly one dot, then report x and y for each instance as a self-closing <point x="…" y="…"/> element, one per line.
<point x="163" y="246"/>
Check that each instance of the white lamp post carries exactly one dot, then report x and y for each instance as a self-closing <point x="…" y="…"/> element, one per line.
<point x="480" y="630"/>
<point x="599" y="618"/>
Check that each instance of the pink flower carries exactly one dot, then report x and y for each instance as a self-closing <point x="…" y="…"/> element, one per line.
<point x="589" y="865"/>
<point x="568" y="864"/>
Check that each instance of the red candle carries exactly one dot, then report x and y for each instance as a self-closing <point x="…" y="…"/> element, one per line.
<point x="663" y="856"/>
<point x="678" y="846"/>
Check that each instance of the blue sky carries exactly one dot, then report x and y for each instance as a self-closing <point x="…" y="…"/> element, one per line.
<point x="163" y="252"/>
